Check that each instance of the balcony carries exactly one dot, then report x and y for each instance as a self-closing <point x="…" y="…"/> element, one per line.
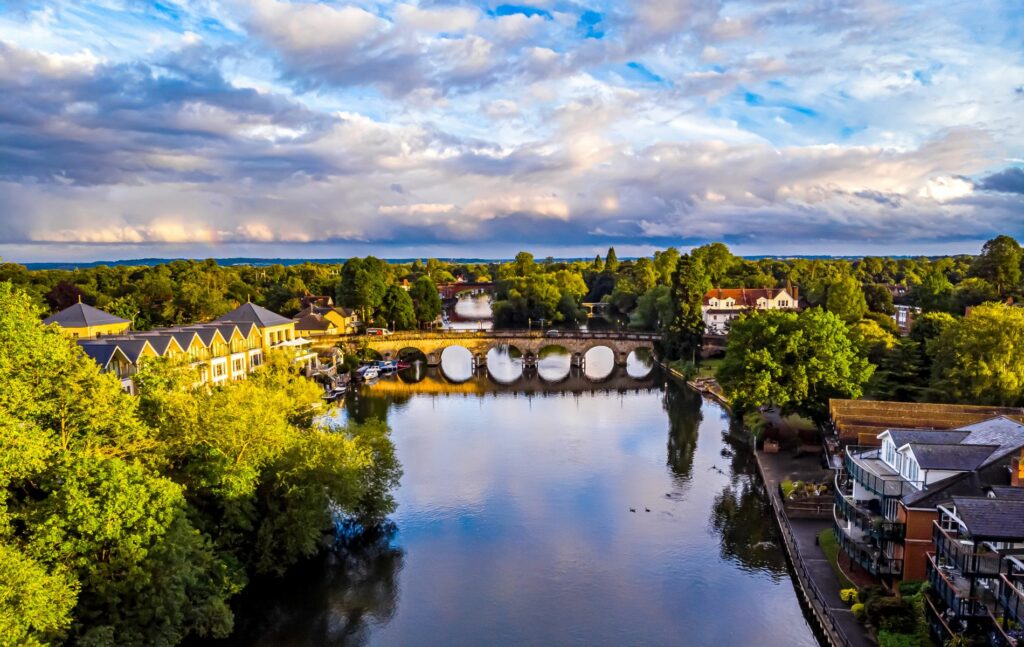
<point x="872" y="523"/>
<point x="960" y="552"/>
<point x="955" y="591"/>
<point x="1011" y="597"/>
<point x="865" y="465"/>
<point x="856" y="543"/>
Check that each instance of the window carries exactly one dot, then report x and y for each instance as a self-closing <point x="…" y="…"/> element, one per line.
<point x="236" y="365"/>
<point x="218" y="370"/>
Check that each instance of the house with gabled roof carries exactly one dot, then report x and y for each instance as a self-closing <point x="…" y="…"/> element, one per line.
<point x="723" y="305"/>
<point x="82" y="321"/>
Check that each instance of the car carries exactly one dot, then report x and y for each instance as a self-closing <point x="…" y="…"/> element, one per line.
<point x="380" y="332"/>
<point x="552" y="333"/>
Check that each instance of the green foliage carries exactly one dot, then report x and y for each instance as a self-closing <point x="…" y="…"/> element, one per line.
<point x="683" y="337"/>
<point x="890" y="614"/>
<point x="133" y="521"/>
<point x="363" y="284"/>
<point x="611" y="261"/>
<point x="999" y="264"/>
<point x="846" y="299"/>
<point x="426" y="300"/>
<point x="878" y="298"/>
<point x="873" y="341"/>
<point x="397" y="310"/>
<point x="796" y="362"/>
<point x="891" y="639"/>
<point x="977" y="359"/>
<point x="830" y="548"/>
<point x="934" y="293"/>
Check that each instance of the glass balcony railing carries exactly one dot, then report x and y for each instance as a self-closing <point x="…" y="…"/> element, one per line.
<point x="869" y="556"/>
<point x="962" y="554"/>
<point x="955" y="592"/>
<point x="1011" y="597"/>
<point x="872" y="523"/>
<point x="875" y="479"/>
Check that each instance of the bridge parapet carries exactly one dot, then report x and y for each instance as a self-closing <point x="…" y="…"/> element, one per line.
<point x="530" y="343"/>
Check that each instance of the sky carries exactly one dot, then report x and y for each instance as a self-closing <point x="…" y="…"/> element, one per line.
<point x="295" y="128"/>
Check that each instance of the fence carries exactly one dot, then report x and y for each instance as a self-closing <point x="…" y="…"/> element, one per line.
<point x="834" y="631"/>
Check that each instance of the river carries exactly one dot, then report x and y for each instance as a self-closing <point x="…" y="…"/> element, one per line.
<point x="613" y="512"/>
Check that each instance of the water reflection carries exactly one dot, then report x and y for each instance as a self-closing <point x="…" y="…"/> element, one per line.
<point x="457" y="363"/>
<point x="599" y="362"/>
<point x="505" y="364"/>
<point x="337" y="598"/>
<point x="471" y="313"/>
<point x="554" y="363"/>
<point x="515" y="527"/>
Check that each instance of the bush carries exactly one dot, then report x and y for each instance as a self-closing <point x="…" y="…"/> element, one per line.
<point x="858" y="611"/>
<point x="849" y="596"/>
<point x="908" y="589"/>
<point x="892" y="615"/>
<point x="890" y="639"/>
<point x="870" y="592"/>
<point x="788" y="487"/>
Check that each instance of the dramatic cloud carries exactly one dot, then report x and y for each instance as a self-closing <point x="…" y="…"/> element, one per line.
<point x="285" y="126"/>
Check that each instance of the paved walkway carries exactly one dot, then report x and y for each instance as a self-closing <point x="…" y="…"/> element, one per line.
<point x="820" y="571"/>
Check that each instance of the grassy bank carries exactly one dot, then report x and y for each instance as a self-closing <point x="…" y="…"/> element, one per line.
<point x="830" y="546"/>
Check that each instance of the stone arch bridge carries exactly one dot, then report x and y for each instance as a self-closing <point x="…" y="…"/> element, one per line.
<point x="529" y="343"/>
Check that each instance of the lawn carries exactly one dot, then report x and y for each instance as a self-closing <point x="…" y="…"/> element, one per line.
<point x="830" y="546"/>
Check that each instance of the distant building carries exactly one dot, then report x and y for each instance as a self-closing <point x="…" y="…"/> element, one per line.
<point x="326" y="320"/>
<point x="82" y="321"/>
<point x="222" y="350"/>
<point x="904" y="317"/>
<point x="721" y="306"/>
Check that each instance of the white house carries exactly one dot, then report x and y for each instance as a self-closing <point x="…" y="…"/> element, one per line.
<point x="721" y="306"/>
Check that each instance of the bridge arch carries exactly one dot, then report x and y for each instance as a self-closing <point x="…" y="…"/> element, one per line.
<point x="460" y="364"/>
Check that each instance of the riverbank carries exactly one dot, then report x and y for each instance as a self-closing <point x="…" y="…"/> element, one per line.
<point x="816" y="581"/>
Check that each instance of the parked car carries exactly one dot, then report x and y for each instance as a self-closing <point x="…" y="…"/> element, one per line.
<point x="380" y="332"/>
<point x="552" y="333"/>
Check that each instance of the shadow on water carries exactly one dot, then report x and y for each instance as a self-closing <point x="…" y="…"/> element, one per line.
<point x="336" y="598"/>
<point x="739" y="513"/>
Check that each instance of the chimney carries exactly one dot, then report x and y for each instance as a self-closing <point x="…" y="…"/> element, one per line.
<point x="1017" y="470"/>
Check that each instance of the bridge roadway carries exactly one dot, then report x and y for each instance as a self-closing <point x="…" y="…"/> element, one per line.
<point x="528" y="383"/>
<point x="479" y="342"/>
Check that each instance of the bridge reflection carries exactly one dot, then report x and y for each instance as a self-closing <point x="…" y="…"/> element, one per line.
<point x="432" y="381"/>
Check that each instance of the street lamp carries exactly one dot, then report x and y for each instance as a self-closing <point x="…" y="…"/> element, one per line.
<point x="529" y="324"/>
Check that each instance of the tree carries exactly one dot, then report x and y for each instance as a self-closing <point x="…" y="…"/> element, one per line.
<point x="999" y="264"/>
<point x="665" y="264"/>
<point x="653" y="309"/>
<point x="397" y="308"/>
<point x="684" y="335"/>
<point x="611" y="261"/>
<point x="426" y="300"/>
<point x="901" y="375"/>
<point x="717" y="261"/>
<point x="846" y="299"/>
<point x="362" y="286"/>
<point x="977" y="359"/>
<point x="598" y="264"/>
<point x="972" y="292"/>
<point x="795" y="362"/>
<point x="878" y="298"/>
<point x="934" y="292"/>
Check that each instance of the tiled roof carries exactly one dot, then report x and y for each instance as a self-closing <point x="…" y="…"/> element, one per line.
<point x="252" y="313"/>
<point x="1007" y="492"/>
<point x="82" y="315"/>
<point x="861" y="420"/>
<point x="312" y="322"/>
<point x="959" y="458"/>
<point x="1006" y="434"/>
<point x="742" y="296"/>
<point x="101" y="353"/>
<point x="991" y="518"/>
<point x="926" y="436"/>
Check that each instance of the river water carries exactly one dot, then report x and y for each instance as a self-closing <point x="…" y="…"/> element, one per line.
<point x="614" y="512"/>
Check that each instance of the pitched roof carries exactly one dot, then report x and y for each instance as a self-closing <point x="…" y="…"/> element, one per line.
<point x="313" y="322"/>
<point x="1007" y="435"/>
<point x="252" y="313"/>
<point x="82" y="315"/>
<point x="960" y="458"/>
<point x="742" y="296"/>
<point x="1007" y="492"/>
<point x="991" y="518"/>
<point x="101" y="353"/>
<point x="902" y="437"/>
<point x="132" y="348"/>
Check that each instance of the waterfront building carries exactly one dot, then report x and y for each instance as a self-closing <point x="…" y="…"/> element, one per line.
<point x="975" y="571"/>
<point x="82" y="321"/>
<point x="223" y="350"/>
<point x="887" y="495"/>
<point x="722" y="305"/>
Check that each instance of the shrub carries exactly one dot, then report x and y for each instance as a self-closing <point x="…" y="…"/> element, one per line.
<point x="788" y="487"/>
<point x="858" y="611"/>
<point x="849" y="596"/>
<point x="892" y="615"/>
<point x="908" y="589"/>
<point x="890" y="639"/>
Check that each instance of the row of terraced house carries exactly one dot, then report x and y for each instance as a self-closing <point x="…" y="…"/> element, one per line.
<point x="225" y="349"/>
<point x="936" y="492"/>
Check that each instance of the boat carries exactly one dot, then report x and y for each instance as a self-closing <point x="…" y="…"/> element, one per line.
<point x="367" y="373"/>
<point x="386" y="366"/>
